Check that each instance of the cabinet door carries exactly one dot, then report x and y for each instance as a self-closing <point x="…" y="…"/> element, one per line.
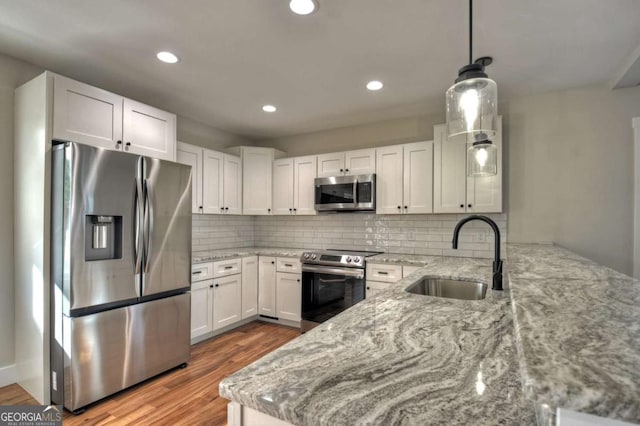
<point x="288" y="296"/>
<point x="283" y="186"/>
<point x="256" y="178"/>
<point x="267" y="286"/>
<point x="375" y="287"/>
<point x="201" y="308"/>
<point x="360" y="162"/>
<point x="389" y="180"/>
<point x="249" y="286"/>
<point x="305" y="170"/>
<point x="148" y="131"/>
<point x="232" y="184"/>
<point x="192" y="156"/>
<point x="449" y="172"/>
<point x="484" y="194"/>
<point x="212" y="183"/>
<point x="418" y="178"/>
<point x="331" y="164"/>
<point x="227" y="301"/>
<point x="86" y="114"/>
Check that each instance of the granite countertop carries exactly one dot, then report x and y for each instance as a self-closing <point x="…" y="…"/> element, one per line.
<point x="215" y="255"/>
<point x="564" y="333"/>
<point x="578" y="330"/>
<point x="397" y="358"/>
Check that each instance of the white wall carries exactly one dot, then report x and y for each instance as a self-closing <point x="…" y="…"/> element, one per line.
<point x="12" y="74"/>
<point x="568" y="159"/>
<point x="570" y="171"/>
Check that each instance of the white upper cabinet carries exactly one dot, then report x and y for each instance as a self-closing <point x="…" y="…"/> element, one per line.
<point x="192" y="156"/>
<point x="257" y="173"/>
<point x="453" y="191"/>
<point x="217" y="179"/>
<point x="232" y="188"/>
<point x="212" y="184"/>
<point x="293" y="186"/>
<point x="148" y="131"/>
<point x="389" y="180"/>
<point x="404" y="178"/>
<point x="358" y="162"/>
<point x="304" y="174"/>
<point x="418" y="178"/>
<point x="86" y="114"/>
<point x="283" y="186"/>
<point x="331" y="164"/>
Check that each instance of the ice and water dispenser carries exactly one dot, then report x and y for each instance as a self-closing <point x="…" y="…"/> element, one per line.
<point x="103" y="237"/>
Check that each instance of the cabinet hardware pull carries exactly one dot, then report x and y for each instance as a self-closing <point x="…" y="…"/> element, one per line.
<point x="217" y="285"/>
<point x="221" y="208"/>
<point x="211" y="286"/>
<point x="368" y="288"/>
<point x="200" y="207"/>
<point x="468" y="205"/>
<point x="273" y="263"/>
<point x="295" y="210"/>
<point x="346" y="170"/>
<point x="298" y="280"/>
<point x="226" y="208"/>
<point x="288" y="265"/>
<point x="118" y="144"/>
<point x="128" y="144"/>
<point x="399" y="207"/>
<point x="462" y="206"/>
<point x="196" y="273"/>
<point x="383" y="273"/>
<point x="290" y="210"/>
<point x="269" y="210"/>
<point x="341" y="170"/>
<point x="228" y="267"/>
<point x="406" y="207"/>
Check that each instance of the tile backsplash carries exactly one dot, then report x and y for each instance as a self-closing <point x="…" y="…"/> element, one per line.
<point x="408" y="234"/>
<point x="212" y="232"/>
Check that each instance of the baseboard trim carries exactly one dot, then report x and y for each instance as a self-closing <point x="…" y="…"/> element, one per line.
<point x="8" y="375"/>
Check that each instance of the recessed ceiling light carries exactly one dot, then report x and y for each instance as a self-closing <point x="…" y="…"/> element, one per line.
<point x="167" y="57"/>
<point x="269" y="108"/>
<point x="302" y="7"/>
<point x="374" y="85"/>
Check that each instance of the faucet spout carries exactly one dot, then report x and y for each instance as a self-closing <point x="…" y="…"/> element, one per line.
<point x="497" y="263"/>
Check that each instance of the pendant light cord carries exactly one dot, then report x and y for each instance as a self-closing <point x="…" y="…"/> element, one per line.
<point x="470" y="31"/>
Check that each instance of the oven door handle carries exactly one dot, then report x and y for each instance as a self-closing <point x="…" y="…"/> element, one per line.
<point x="348" y="272"/>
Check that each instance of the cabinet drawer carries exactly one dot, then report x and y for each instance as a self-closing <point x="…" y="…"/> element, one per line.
<point x="408" y="270"/>
<point x="384" y="273"/>
<point x="227" y="267"/>
<point x="288" y="264"/>
<point x="201" y="271"/>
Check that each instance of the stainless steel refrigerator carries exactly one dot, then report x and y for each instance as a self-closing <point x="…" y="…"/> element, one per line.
<point x="120" y="262"/>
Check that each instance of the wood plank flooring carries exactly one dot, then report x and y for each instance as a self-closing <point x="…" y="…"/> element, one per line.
<point x="183" y="396"/>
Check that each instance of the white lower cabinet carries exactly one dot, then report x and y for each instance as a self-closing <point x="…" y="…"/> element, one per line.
<point x="381" y="276"/>
<point x="217" y="295"/>
<point x="227" y="301"/>
<point x="279" y="288"/>
<point x="288" y="296"/>
<point x="267" y="286"/>
<point x="249" y="286"/>
<point x="201" y="308"/>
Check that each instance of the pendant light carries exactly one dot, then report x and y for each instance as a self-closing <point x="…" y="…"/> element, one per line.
<point x="482" y="157"/>
<point x="472" y="102"/>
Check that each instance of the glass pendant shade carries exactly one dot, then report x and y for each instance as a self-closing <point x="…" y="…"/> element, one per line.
<point x="472" y="107"/>
<point x="482" y="159"/>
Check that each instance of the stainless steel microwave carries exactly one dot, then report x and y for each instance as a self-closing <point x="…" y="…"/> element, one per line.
<point x="346" y="193"/>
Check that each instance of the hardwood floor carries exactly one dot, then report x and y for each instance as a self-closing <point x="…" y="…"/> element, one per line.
<point x="183" y="396"/>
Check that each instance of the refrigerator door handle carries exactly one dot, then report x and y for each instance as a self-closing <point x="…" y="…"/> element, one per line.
<point x="148" y="225"/>
<point x="138" y="205"/>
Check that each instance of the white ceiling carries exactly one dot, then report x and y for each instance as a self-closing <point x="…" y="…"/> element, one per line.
<point x="237" y="55"/>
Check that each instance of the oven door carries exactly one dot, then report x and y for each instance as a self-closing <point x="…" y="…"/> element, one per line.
<point x="327" y="291"/>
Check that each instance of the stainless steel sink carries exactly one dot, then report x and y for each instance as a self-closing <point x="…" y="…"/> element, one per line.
<point x="452" y="289"/>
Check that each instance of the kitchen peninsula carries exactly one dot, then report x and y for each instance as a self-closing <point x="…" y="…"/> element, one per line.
<point x="399" y="358"/>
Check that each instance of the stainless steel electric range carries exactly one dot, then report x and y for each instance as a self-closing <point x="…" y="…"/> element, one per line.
<point x="332" y="281"/>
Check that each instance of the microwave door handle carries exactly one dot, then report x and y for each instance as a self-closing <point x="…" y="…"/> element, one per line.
<point x="355" y="193"/>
